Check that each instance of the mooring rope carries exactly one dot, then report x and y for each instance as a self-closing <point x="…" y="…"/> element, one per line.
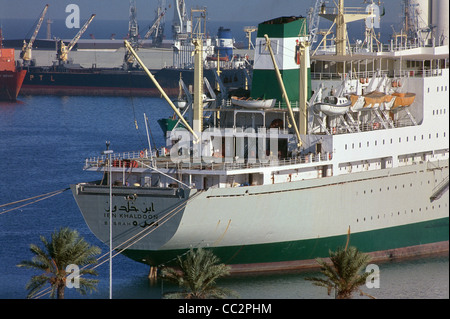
<point x="38" y="199"/>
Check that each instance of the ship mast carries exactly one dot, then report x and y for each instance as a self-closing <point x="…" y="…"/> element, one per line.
<point x="341" y="19"/>
<point x="197" y="41"/>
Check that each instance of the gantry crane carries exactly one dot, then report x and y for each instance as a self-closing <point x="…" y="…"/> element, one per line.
<point x="25" y="55"/>
<point x="63" y="50"/>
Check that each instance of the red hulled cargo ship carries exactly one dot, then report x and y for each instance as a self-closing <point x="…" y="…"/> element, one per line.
<point x="11" y="77"/>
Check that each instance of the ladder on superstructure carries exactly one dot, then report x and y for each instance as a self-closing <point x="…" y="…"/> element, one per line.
<point x="313" y="22"/>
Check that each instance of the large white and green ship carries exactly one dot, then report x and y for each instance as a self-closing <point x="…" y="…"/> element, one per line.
<point x="360" y="146"/>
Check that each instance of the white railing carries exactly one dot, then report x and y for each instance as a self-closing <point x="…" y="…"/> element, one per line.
<point x="207" y="163"/>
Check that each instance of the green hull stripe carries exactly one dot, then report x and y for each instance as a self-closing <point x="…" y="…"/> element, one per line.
<point x="376" y="240"/>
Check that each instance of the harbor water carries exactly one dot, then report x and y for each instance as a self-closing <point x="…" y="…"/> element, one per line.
<point x="43" y="143"/>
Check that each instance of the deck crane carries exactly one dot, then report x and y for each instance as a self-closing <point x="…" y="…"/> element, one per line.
<point x="63" y="50"/>
<point x="25" y="55"/>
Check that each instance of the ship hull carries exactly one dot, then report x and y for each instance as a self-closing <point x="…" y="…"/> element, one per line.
<point x="389" y="213"/>
<point x="116" y="82"/>
<point x="10" y="84"/>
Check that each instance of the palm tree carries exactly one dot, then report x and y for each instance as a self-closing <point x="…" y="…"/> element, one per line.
<point x="65" y="248"/>
<point x="343" y="274"/>
<point x="197" y="275"/>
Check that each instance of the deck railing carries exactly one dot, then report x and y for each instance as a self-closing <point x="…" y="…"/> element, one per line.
<point x="134" y="160"/>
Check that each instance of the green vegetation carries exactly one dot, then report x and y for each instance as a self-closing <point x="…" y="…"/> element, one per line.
<point x="65" y="248"/>
<point x="343" y="274"/>
<point x="197" y="276"/>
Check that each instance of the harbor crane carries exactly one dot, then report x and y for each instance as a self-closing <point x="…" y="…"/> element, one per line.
<point x="25" y="55"/>
<point x="133" y="37"/>
<point x="63" y="50"/>
<point x="133" y="27"/>
<point x="154" y="28"/>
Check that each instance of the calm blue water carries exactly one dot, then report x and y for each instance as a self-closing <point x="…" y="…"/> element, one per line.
<point x="43" y="143"/>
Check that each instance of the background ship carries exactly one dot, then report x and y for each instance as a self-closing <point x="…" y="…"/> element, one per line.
<point x="262" y="202"/>
<point x="66" y="78"/>
<point x="11" y="77"/>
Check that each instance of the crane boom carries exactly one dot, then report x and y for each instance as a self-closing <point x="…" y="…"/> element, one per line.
<point x="64" y="50"/>
<point x="80" y="33"/>
<point x="155" y="25"/>
<point x="158" y="86"/>
<point x="26" y="49"/>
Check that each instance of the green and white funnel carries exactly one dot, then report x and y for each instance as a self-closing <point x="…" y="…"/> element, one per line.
<point x="286" y="34"/>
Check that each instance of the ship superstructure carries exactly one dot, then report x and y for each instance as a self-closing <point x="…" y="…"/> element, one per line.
<point x="358" y="144"/>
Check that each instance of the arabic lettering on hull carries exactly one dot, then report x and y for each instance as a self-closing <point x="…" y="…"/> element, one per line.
<point x="141" y="217"/>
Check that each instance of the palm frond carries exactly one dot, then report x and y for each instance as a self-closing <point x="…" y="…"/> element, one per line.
<point x="344" y="273"/>
<point x="66" y="247"/>
<point x="197" y="275"/>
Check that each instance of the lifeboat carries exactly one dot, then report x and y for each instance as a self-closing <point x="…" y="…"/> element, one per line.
<point x="375" y="99"/>
<point x="389" y="102"/>
<point x="357" y="102"/>
<point x="403" y="99"/>
<point x="253" y="103"/>
<point x="372" y="100"/>
<point x="333" y="105"/>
